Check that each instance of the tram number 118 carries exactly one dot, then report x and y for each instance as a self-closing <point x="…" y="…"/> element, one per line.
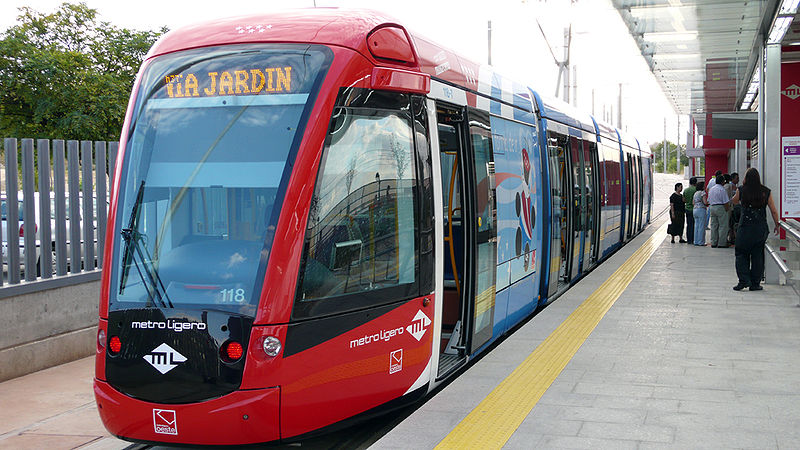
<point x="232" y="295"/>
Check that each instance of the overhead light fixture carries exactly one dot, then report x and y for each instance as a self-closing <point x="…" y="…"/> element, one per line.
<point x="783" y="21"/>
<point x="753" y="87"/>
<point x="789" y="7"/>
<point x="671" y="36"/>
<point x="673" y="56"/>
<point x="779" y="29"/>
<point x="752" y="90"/>
<point x="748" y="100"/>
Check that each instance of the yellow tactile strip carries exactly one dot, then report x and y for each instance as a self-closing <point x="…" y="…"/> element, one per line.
<point x="495" y="419"/>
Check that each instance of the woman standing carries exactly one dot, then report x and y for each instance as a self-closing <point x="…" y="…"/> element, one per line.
<point x="753" y="230"/>
<point x="699" y="210"/>
<point x="677" y="211"/>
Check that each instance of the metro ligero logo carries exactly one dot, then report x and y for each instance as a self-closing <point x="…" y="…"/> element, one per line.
<point x="164" y="358"/>
<point x="792" y="91"/>
<point x="419" y="325"/>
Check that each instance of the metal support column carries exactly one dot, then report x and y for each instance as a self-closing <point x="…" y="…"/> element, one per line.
<point x="740" y="164"/>
<point x="770" y="148"/>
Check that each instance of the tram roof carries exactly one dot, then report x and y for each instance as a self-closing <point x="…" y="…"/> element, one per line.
<point x="628" y="140"/>
<point x="311" y="25"/>
<point x="554" y="109"/>
<point x="606" y="131"/>
<point x="345" y="28"/>
<point x="646" y="151"/>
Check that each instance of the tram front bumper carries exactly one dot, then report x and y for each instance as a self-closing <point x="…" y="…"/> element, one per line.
<point x="241" y="417"/>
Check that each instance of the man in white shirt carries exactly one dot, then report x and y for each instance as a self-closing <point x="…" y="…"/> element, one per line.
<point x="718" y="209"/>
<point x="713" y="180"/>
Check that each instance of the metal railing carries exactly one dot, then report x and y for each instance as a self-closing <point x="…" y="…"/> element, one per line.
<point x="787" y="256"/>
<point x="56" y="227"/>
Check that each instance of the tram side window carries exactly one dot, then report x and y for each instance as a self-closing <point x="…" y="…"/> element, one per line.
<point x="360" y="235"/>
<point x="449" y="143"/>
<point x="560" y="191"/>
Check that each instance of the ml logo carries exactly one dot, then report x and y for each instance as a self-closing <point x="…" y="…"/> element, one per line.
<point x="792" y="91"/>
<point x="164" y="358"/>
<point x="419" y="325"/>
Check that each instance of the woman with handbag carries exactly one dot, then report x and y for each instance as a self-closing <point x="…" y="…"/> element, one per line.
<point x="700" y="210"/>
<point x="753" y="230"/>
<point x="677" y="211"/>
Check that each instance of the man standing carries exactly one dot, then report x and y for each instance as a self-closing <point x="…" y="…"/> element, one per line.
<point x="733" y="214"/>
<point x="713" y="180"/>
<point x="719" y="201"/>
<point x="688" y="199"/>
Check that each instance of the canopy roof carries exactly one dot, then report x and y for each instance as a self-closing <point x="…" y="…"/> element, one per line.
<point x="702" y="52"/>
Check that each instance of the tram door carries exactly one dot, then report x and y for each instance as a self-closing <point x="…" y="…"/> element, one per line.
<point x="483" y="205"/>
<point x="579" y="215"/>
<point x="560" y="205"/>
<point x="592" y="210"/>
<point x="628" y="197"/>
<point x="637" y="192"/>
<point x="642" y="194"/>
<point x="470" y="235"/>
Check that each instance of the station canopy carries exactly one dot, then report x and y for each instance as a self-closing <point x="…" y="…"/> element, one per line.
<point x="704" y="52"/>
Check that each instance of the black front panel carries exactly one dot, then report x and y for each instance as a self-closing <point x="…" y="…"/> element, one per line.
<point x="173" y="356"/>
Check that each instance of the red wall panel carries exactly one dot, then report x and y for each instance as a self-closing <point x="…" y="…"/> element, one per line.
<point x="790" y="107"/>
<point x="714" y="163"/>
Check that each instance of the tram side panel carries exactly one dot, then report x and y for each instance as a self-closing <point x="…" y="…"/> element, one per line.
<point x="647" y="169"/>
<point x="602" y="201"/>
<point x="518" y="180"/>
<point x="612" y="212"/>
<point x="363" y="248"/>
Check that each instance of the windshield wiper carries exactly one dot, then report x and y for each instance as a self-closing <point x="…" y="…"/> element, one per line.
<point x="134" y="247"/>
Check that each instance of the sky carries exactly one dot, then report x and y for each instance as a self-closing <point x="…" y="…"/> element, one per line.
<point x="602" y="51"/>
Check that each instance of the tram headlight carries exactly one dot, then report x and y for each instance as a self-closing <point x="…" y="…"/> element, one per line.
<point x="101" y="339"/>
<point x="272" y="346"/>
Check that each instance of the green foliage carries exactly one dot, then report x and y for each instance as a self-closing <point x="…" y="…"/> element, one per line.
<point x="67" y="75"/>
<point x="658" y="155"/>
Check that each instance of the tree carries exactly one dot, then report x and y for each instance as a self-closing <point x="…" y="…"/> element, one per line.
<point x="67" y="75"/>
<point x="658" y="155"/>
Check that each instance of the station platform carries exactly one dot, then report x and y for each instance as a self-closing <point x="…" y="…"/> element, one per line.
<point x="677" y="359"/>
<point x="653" y="349"/>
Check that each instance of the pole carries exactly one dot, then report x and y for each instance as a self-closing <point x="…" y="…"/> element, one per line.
<point x="664" y="147"/>
<point x="575" y="86"/>
<point x="619" y="108"/>
<point x="565" y="66"/>
<point x="678" y="148"/>
<point x="490" y="42"/>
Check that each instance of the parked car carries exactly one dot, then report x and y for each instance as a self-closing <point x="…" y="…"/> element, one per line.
<point x="38" y="229"/>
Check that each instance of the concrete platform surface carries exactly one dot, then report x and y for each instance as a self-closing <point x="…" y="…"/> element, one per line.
<point x="53" y="409"/>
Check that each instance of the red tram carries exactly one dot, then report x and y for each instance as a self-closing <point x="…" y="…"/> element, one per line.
<point x="318" y="217"/>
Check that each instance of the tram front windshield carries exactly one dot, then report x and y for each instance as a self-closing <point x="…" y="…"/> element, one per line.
<point x="200" y="194"/>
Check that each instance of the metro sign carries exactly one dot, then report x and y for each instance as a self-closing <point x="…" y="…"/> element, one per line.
<point x="164" y="358"/>
<point x="419" y="325"/>
<point x="792" y="91"/>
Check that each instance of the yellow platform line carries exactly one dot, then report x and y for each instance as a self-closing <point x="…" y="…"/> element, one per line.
<point x="495" y="419"/>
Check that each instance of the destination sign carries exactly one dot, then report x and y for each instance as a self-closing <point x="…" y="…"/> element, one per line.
<point x="254" y="81"/>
